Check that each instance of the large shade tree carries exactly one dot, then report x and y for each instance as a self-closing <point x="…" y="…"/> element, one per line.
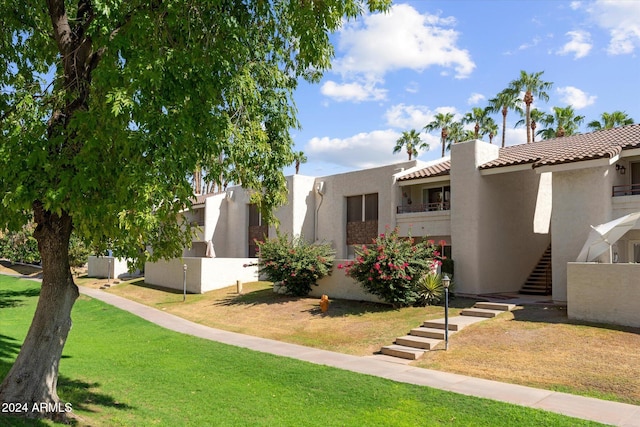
<point x="533" y="87"/>
<point x="441" y="121"/>
<point x="106" y="109"/>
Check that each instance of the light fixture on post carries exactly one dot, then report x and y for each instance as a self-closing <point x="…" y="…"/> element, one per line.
<point x="184" y="282"/>
<point x="621" y="169"/>
<point x="446" y="281"/>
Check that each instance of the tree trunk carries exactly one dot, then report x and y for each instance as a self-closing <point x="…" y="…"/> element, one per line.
<point x="504" y="124"/>
<point x="32" y="381"/>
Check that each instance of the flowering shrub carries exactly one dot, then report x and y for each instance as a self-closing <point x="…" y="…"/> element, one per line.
<point x="294" y="263"/>
<point x="391" y="267"/>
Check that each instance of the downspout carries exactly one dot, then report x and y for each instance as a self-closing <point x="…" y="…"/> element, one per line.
<point x="320" y="192"/>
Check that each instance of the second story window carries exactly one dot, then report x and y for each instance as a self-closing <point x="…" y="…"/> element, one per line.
<point x="362" y="208"/>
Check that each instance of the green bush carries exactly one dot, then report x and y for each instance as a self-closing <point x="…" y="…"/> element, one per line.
<point x="431" y="290"/>
<point x="391" y="267"/>
<point x="294" y="263"/>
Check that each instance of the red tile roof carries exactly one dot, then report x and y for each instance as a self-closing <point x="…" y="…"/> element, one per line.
<point x="576" y="148"/>
<point x="439" y="169"/>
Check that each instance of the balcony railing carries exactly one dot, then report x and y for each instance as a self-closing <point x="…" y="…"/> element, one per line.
<point x="626" y="190"/>
<point x="426" y="207"/>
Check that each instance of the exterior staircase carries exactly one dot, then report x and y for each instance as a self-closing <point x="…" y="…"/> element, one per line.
<point x="432" y="332"/>
<point x="539" y="281"/>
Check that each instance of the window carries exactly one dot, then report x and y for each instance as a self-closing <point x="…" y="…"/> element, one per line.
<point x="437" y="198"/>
<point x="362" y="208"/>
<point x="255" y="217"/>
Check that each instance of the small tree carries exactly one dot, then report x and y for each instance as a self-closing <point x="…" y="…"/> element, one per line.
<point x="295" y="263"/>
<point x="391" y="267"/>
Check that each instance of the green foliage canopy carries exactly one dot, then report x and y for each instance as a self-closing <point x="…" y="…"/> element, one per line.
<point x="107" y="106"/>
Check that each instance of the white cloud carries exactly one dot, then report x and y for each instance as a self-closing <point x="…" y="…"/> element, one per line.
<point x="622" y="19"/>
<point x="579" y="44"/>
<point x="406" y="117"/>
<point x="356" y="92"/>
<point x="575" y="97"/>
<point x="475" y="98"/>
<point x="412" y="87"/>
<point x="364" y="150"/>
<point x="401" y="39"/>
<point x="575" y="5"/>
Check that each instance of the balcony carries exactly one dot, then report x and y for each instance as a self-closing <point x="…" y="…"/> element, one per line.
<point x="626" y="190"/>
<point x="425" y="207"/>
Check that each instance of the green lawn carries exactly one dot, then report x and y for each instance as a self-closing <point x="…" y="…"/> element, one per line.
<point x="120" y="370"/>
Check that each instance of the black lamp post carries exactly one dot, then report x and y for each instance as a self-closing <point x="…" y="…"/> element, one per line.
<point x="446" y="281"/>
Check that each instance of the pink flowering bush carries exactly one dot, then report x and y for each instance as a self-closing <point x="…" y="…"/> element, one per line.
<point x="296" y="264"/>
<point x="391" y="267"/>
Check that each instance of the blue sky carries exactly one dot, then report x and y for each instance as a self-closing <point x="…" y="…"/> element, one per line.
<point x="393" y="72"/>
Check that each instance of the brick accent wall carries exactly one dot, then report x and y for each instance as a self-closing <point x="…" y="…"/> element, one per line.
<point x="361" y="232"/>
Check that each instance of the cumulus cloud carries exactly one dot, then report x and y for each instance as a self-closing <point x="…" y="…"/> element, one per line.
<point x="356" y="92"/>
<point x="575" y="97"/>
<point x="405" y="117"/>
<point x="475" y="98"/>
<point x="579" y="44"/>
<point x="622" y="19"/>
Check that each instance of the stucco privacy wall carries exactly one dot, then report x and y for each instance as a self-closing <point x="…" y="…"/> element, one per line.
<point x="573" y="215"/>
<point x="298" y="214"/>
<point x="604" y="293"/>
<point x="492" y="221"/>
<point x="331" y="208"/>
<point x="106" y="266"/>
<point x="339" y="286"/>
<point x="203" y="274"/>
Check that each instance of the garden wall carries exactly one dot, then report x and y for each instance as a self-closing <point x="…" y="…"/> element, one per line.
<point x="339" y="286"/>
<point x="107" y="267"/>
<point x="203" y="274"/>
<point x="604" y="293"/>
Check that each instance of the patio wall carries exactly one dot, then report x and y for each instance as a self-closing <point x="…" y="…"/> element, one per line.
<point x="604" y="293"/>
<point x="203" y="274"/>
<point x="339" y="286"/>
<point x="100" y="267"/>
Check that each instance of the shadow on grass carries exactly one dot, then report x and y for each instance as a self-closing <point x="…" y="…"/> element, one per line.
<point x="558" y="315"/>
<point x="82" y="395"/>
<point x="10" y="298"/>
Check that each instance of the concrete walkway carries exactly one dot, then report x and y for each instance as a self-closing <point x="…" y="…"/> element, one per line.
<point x="602" y="411"/>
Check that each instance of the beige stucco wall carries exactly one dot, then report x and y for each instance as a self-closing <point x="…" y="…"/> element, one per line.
<point x="492" y="221"/>
<point x="339" y="286"/>
<point x="106" y="266"/>
<point x="604" y="293"/>
<point x="297" y="215"/>
<point x="581" y="198"/>
<point x="203" y="274"/>
<point x="331" y="208"/>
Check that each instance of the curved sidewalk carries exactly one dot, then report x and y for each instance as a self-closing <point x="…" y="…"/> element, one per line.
<point x="613" y="413"/>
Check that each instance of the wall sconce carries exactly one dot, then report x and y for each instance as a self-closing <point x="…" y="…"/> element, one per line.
<point x="621" y="169"/>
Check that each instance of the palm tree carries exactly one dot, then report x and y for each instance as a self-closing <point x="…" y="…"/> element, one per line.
<point x="489" y="128"/>
<point x="441" y="121"/>
<point x="504" y="101"/>
<point x="533" y="86"/>
<point x="563" y="122"/>
<point x="479" y="116"/>
<point x="537" y="116"/>
<point x="455" y="134"/>
<point x="411" y="141"/>
<point x="611" y="120"/>
<point x="299" y="158"/>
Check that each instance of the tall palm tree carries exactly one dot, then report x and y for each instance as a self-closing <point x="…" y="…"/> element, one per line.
<point x="537" y="116"/>
<point x="611" y="120"/>
<point x="455" y="134"/>
<point x="299" y="158"/>
<point x="533" y="87"/>
<point x="440" y="121"/>
<point x="563" y="122"/>
<point x="411" y="141"/>
<point x="489" y="128"/>
<point x="506" y="100"/>
<point x="479" y="116"/>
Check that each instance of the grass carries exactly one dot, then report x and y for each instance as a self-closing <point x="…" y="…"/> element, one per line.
<point x="119" y="370"/>
<point x="534" y="346"/>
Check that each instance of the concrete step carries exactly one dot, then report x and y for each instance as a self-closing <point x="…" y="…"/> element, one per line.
<point x="480" y="312"/>
<point x="495" y="306"/>
<point x="429" y="332"/>
<point x="402" y="351"/>
<point x="456" y="323"/>
<point x="418" y="342"/>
